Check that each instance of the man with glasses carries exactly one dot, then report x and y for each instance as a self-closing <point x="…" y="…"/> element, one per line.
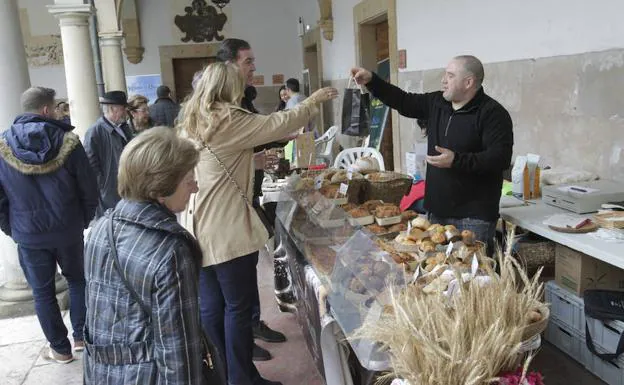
<point x="470" y="141"/>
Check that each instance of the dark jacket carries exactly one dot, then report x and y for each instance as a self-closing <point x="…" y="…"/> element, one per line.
<point x="104" y="145"/>
<point x="164" y="112"/>
<point x="48" y="193"/>
<point x="161" y="262"/>
<point x="481" y="135"/>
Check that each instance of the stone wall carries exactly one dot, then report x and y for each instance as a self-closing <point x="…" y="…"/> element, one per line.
<point x="569" y="109"/>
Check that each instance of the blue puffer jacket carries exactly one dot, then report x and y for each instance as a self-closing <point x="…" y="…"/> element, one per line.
<point x="48" y="192"/>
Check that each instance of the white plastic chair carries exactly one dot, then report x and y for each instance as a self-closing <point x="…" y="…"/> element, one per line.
<point x="324" y="145"/>
<point x="347" y="157"/>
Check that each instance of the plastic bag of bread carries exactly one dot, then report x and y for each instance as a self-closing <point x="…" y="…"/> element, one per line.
<point x="365" y="164"/>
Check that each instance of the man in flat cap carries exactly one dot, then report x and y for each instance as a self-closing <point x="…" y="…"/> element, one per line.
<point x="104" y="142"/>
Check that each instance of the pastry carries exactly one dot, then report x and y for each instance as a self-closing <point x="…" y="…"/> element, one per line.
<point x="386" y="211"/>
<point x="381" y="176"/>
<point x="376" y="229"/>
<point x="305" y="184"/>
<point x="371" y="205"/>
<point x="438" y="238"/>
<point x="421" y="223"/>
<point x="468" y="237"/>
<point x="416" y="234"/>
<point x="408" y="215"/>
<point x="397" y="227"/>
<point x="452" y="235"/>
<point x="427" y="246"/>
<point x="380" y="268"/>
<point x="330" y="191"/>
<point x="359" y="213"/>
<point x="339" y="177"/>
<point x="450" y="228"/>
<point x="356" y="286"/>
<point x="349" y="206"/>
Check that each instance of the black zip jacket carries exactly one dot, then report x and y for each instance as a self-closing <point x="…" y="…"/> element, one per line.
<point x="481" y="136"/>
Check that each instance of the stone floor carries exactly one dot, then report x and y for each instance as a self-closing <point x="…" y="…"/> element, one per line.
<point x="21" y="342"/>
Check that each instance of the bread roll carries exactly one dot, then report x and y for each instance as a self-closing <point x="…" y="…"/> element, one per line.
<point x="421" y="223"/>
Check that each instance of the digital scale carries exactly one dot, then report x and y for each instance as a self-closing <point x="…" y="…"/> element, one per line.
<point x="583" y="197"/>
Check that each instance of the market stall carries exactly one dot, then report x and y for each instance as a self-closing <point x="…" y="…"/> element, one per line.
<point x="339" y="250"/>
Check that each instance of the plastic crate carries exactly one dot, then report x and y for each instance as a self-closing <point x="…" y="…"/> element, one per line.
<point x="566" y="307"/>
<point x="566" y="339"/>
<point x="605" y="334"/>
<point x="606" y="371"/>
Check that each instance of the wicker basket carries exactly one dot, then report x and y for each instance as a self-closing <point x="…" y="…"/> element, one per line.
<point x="391" y="191"/>
<point x="534" y="252"/>
<point x="614" y="220"/>
<point x="538" y="327"/>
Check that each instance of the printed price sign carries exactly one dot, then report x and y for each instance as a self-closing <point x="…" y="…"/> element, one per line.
<point x="343" y="188"/>
<point x="475" y="265"/>
<point x="318" y="182"/>
<point x="350" y="173"/>
<point x="449" y="249"/>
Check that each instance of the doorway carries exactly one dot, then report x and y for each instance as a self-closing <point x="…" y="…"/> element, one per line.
<point x="312" y="75"/>
<point x="376" y="47"/>
<point x="183" y="71"/>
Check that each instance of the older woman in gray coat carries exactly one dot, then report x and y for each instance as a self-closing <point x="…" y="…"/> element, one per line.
<point x="157" y="338"/>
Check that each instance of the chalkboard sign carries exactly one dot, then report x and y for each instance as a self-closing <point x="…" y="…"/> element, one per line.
<point x="379" y="119"/>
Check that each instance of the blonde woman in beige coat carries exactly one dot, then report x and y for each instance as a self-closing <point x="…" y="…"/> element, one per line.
<point x="223" y="220"/>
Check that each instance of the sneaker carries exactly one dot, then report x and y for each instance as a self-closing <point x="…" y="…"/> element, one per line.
<point x="264" y="333"/>
<point x="261" y="354"/>
<point x="79" y="345"/>
<point x="49" y="354"/>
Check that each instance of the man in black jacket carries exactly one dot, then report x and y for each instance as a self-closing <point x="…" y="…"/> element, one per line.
<point x="470" y="141"/>
<point x="164" y="111"/>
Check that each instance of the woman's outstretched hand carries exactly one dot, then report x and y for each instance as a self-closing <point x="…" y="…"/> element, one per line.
<point x="324" y="94"/>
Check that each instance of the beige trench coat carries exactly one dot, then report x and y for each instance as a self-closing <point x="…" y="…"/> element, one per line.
<point x="225" y="226"/>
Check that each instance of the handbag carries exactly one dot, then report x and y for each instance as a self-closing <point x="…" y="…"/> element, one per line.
<point x="604" y="305"/>
<point x="213" y="369"/>
<point x="259" y="211"/>
<point x="355" y="111"/>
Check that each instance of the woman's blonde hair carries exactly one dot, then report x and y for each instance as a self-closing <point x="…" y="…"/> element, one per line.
<point x="154" y="163"/>
<point x="220" y="86"/>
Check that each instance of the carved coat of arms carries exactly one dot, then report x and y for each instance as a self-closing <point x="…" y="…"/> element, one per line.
<point x="202" y="22"/>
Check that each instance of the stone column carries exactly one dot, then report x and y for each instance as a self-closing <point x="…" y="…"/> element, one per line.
<point x="15" y="295"/>
<point x="112" y="61"/>
<point x="79" y="68"/>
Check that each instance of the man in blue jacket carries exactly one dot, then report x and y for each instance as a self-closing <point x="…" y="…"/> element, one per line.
<point x="48" y="196"/>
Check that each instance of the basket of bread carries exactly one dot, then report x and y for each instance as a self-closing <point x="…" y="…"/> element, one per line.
<point x="387" y="185"/>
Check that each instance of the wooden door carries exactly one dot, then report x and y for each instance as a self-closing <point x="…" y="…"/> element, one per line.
<point x="382" y="43"/>
<point x="183" y="71"/>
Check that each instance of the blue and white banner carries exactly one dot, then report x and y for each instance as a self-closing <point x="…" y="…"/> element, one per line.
<point x="145" y="85"/>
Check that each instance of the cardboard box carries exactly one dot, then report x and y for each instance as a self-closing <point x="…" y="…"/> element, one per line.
<point x="305" y="154"/>
<point x="577" y="272"/>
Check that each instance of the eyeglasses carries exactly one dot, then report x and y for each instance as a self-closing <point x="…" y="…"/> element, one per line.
<point x="144" y="110"/>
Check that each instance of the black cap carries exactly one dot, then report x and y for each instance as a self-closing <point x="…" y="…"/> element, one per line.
<point x="163" y="91"/>
<point x="114" y="97"/>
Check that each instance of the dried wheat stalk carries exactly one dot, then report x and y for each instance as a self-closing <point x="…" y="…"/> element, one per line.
<point x="466" y="340"/>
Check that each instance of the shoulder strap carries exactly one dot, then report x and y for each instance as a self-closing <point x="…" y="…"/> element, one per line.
<point x="133" y="293"/>
<point x="229" y="175"/>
